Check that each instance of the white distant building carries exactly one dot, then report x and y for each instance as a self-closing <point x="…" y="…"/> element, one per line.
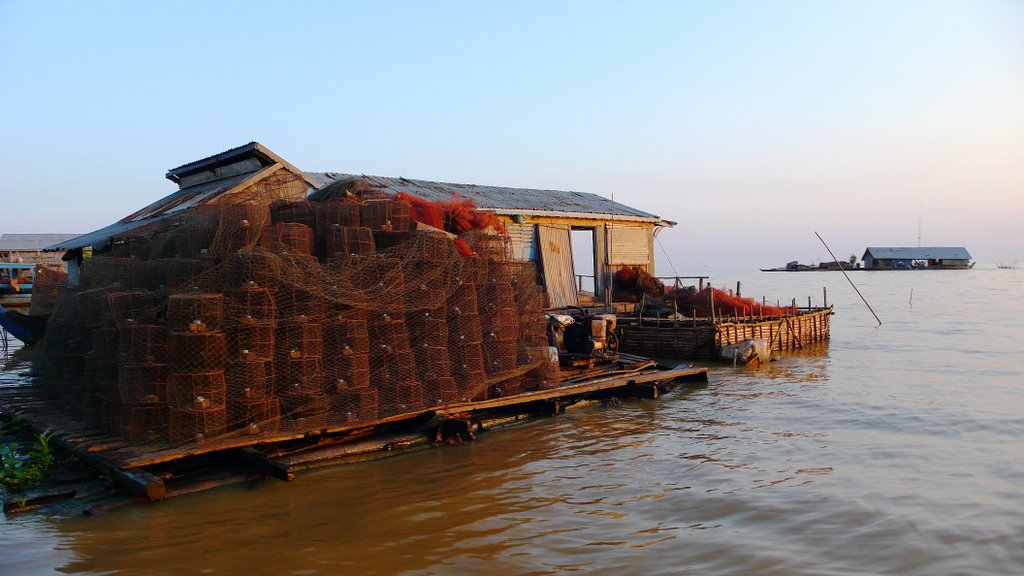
<point x="29" y="248"/>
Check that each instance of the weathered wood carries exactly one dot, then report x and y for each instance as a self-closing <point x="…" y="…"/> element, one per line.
<point x="643" y="390"/>
<point x="692" y="339"/>
<point x="265" y="465"/>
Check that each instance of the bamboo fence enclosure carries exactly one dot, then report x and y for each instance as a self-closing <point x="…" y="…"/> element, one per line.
<point x="701" y="338"/>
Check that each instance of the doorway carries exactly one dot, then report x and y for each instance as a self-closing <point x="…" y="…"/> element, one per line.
<point x="584" y="259"/>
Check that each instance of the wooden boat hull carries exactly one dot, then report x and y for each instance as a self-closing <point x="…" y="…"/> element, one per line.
<point x="703" y="339"/>
<point x="28" y="329"/>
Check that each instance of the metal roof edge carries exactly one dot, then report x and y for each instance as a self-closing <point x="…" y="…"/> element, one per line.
<point x="254" y="148"/>
<point x="581" y="215"/>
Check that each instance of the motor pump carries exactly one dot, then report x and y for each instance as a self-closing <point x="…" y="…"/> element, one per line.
<point x="586" y="334"/>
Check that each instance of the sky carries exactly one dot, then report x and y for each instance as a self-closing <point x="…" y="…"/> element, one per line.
<point x="750" y="124"/>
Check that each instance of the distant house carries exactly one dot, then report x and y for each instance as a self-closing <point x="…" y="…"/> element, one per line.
<point x="539" y="222"/>
<point x="932" y="257"/>
<point x="30" y="248"/>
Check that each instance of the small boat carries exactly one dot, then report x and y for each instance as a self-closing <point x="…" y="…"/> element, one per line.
<point x="28" y="329"/>
<point x="17" y="280"/>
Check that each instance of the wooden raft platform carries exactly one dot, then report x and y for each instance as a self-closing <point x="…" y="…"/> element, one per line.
<point x="146" y="470"/>
<point x="701" y="338"/>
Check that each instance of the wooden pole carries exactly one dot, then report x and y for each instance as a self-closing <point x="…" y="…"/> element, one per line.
<point x="824" y="296"/>
<point x="711" y="298"/>
<point x="843" y="270"/>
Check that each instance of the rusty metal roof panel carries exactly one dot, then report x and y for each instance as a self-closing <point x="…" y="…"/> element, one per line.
<point x="187" y="198"/>
<point x="101" y="237"/>
<point x="497" y="198"/>
<point x="170" y="205"/>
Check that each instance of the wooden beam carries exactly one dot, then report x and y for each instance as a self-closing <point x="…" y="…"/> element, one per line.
<point x="265" y="464"/>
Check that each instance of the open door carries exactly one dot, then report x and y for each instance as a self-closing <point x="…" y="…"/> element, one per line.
<point x="556" y="261"/>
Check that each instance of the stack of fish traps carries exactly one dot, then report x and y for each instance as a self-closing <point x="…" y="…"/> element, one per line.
<point x="261" y="318"/>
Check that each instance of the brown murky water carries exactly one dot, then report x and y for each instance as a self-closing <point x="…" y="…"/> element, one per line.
<point x="895" y="450"/>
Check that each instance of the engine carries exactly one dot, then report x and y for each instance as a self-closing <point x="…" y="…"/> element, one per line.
<point x="583" y="334"/>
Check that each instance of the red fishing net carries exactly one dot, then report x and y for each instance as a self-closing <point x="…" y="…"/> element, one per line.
<point x="698" y="302"/>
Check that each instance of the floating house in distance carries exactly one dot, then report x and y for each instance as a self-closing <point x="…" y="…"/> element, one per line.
<point x="926" y="258"/>
<point x="539" y="222"/>
<point x="29" y="248"/>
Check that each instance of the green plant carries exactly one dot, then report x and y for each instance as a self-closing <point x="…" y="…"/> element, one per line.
<point x="42" y="453"/>
<point x="18" y="469"/>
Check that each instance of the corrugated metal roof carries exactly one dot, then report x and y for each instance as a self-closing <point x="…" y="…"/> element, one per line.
<point x="497" y="198"/>
<point x="923" y="253"/>
<point x="232" y="155"/>
<point x="99" y="238"/>
<point x="31" y="241"/>
<point x="502" y="200"/>
<point x="187" y="197"/>
<point x="175" y="203"/>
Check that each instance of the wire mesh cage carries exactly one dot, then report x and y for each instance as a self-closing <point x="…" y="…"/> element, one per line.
<point x="197" y="390"/>
<point x="190" y="312"/>
<point x="221" y="320"/>
<point x="386" y="215"/>
<point x="197" y="351"/>
<point x="197" y="426"/>
<point x="288" y="238"/>
<point x="337" y="213"/>
<point x="142" y="383"/>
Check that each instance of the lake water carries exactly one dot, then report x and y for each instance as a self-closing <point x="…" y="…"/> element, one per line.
<point x="892" y="450"/>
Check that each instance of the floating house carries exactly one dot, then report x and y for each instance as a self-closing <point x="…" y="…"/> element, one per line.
<point x="261" y="306"/>
<point x="929" y="257"/>
<point x="29" y="248"/>
<point x="539" y="222"/>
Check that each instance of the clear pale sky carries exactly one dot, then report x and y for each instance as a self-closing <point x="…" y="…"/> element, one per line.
<point x="751" y="124"/>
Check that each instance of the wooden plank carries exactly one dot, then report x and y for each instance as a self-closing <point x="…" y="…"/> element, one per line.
<point x="266" y="465"/>
<point x="319" y="454"/>
<point x="576" y="389"/>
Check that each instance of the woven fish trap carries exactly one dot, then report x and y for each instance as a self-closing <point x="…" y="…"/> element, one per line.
<point x="255" y="416"/>
<point x="340" y="243"/>
<point x="248" y="380"/>
<point x="441" y="391"/>
<point x="250" y="304"/>
<point x="251" y="341"/>
<point x="142" y="344"/>
<point x="142" y="383"/>
<point x="288" y="238"/>
<point x="196" y="426"/>
<point x="342" y="335"/>
<point x="386" y="215"/>
<point x="196" y="390"/>
<point x="145" y="424"/>
<point x="298" y="337"/>
<point x="340" y="213"/>
<point x="197" y="351"/>
<point x="195" y="311"/>
<point x="301" y="212"/>
<point x="346" y="370"/>
<point x="300" y="376"/>
<point x="355" y="405"/>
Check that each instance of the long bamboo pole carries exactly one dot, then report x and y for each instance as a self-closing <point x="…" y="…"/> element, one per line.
<point x="843" y="270"/>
